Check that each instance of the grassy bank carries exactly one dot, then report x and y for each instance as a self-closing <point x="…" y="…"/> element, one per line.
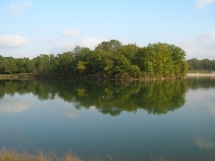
<point x="17" y="155"/>
<point x="17" y="76"/>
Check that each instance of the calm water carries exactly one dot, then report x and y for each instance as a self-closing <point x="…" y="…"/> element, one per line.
<point x="137" y="121"/>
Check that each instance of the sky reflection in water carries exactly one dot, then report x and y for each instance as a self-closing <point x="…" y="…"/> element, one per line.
<point x="130" y="124"/>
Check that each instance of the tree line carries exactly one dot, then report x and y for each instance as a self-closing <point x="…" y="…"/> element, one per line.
<point x="204" y="64"/>
<point x="109" y="59"/>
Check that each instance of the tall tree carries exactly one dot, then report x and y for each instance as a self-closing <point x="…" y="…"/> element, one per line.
<point x="10" y="65"/>
<point x="1" y="64"/>
<point x="109" y="46"/>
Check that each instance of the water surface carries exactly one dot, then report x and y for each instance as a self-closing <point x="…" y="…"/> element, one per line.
<point x="125" y="120"/>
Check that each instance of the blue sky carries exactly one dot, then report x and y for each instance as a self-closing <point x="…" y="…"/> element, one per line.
<point x="31" y="28"/>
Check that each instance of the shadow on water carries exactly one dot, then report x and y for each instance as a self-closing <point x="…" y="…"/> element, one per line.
<point x="108" y="97"/>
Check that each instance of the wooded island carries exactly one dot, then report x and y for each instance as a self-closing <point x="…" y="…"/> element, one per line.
<point x="109" y="60"/>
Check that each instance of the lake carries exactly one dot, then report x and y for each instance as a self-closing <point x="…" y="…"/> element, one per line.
<point x="173" y="119"/>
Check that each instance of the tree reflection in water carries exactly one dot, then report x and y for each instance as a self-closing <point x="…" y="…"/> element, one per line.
<point x="109" y="97"/>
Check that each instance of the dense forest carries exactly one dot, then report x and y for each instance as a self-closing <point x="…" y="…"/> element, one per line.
<point x="204" y="64"/>
<point x="109" y="60"/>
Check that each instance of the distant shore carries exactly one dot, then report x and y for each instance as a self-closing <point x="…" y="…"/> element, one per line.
<point x="27" y="76"/>
<point x="200" y="75"/>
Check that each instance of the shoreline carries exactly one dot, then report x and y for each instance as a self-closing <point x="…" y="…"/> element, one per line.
<point x="23" y="155"/>
<point x="200" y="75"/>
<point x="27" y="76"/>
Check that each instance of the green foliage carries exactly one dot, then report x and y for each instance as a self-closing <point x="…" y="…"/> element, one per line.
<point x="42" y="64"/>
<point x="109" y="46"/>
<point x="1" y="64"/>
<point x="178" y="56"/>
<point x="204" y="64"/>
<point x="64" y="63"/>
<point x="10" y="66"/>
<point x="109" y="60"/>
<point x="129" y="51"/>
<point x="161" y="60"/>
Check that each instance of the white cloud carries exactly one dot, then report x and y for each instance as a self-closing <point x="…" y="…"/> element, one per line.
<point x="92" y="108"/>
<point x="17" y="9"/>
<point x="14" y="106"/>
<point x="70" y="114"/>
<point x="202" y="143"/>
<point x="210" y="36"/>
<point x="202" y="3"/>
<point x="201" y="47"/>
<point x="70" y="32"/>
<point x="13" y="41"/>
<point x="26" y="4"/>
<point x="65" y="46"/>
<point x="91" y="42"/>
